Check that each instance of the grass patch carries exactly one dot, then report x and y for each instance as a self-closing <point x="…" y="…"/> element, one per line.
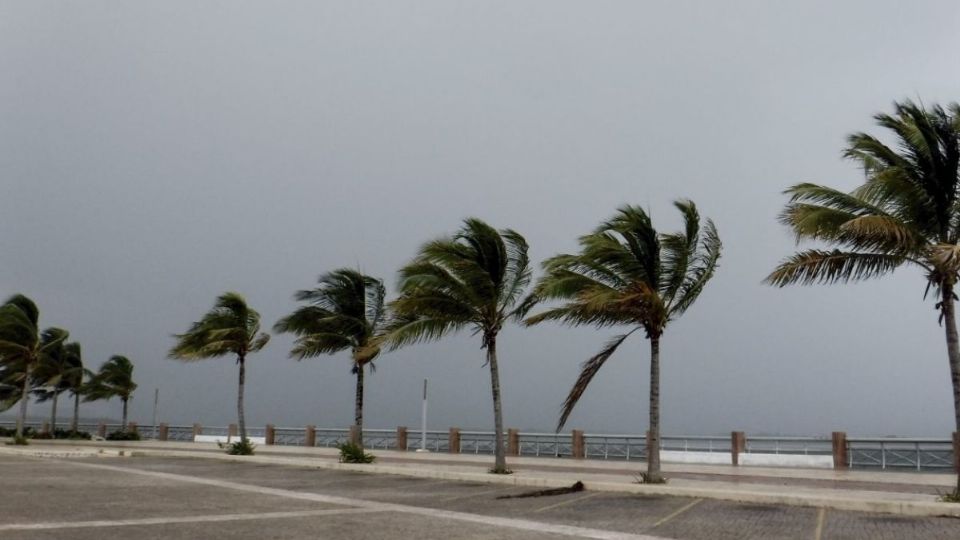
<point x="353" y="453"/>
<point x="950" y="496"/>
<point x="647" y="478"/>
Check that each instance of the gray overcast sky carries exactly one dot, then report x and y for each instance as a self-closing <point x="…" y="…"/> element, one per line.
<point x="153" y="155"/>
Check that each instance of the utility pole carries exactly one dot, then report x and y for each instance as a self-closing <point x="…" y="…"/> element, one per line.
<point x="156" y="399"/>
<point x="423" y="421"/>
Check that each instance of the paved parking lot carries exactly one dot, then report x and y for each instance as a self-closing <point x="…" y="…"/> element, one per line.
<point x="196" y="498"/>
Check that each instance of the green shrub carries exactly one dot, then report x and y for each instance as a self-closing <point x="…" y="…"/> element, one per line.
<point x="239" y="448"/>
<point x="123" y="436"/>
<point x="71" y="435"/>
<point x="12" y="432"/>
<point x="353" y="453"/>
<point x="43" y="435"/>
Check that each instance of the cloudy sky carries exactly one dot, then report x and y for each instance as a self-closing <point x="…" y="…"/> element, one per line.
<point x="154" y="155"/>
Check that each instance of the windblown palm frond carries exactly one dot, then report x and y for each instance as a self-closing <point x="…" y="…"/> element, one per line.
<point x="344" y="312"/>
<point x="231" y="327"/>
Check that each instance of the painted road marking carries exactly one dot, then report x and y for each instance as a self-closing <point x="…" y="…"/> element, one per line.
<point x="677" y="513"/>
<point x="821" y="517"/>
<point x="566" y="502"/>
<point x="216" y="518"/>
<point x="513" y="523"/>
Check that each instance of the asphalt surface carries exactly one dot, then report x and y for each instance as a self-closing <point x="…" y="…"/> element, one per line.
<point x="145" y="498"/>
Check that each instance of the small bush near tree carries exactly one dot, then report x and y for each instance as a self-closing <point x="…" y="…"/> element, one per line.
<point x="353" y="453"/>
<point x="239" y="448"/>
<point x="19" y="441"/>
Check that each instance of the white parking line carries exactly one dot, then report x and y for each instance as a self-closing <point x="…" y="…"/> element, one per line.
<point x="513" y="523"/>
<point x="216" y="518"/>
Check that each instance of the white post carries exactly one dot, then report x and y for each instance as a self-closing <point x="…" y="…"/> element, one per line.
<point x="156" y="399"/>
<point x="423" y="421"/>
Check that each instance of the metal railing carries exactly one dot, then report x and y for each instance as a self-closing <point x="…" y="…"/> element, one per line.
<point x="807" y="446"/>
<point x="917" y="454"/>
<point x="906" y="454"/>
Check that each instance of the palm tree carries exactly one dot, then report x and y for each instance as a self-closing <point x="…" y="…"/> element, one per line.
<point x="907" y="212"/>
<point x="114" y="379"/>
<point x="23" y="346"/>
<point x="231" y="327"/>
<point x="75" y="379"/>
<point x="474" y="280"/>
<point x="54" y="375"/>
<point x="629" y="274"/>
<point x="344" y="312"/>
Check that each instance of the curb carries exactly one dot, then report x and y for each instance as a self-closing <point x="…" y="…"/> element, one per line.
<point x="896" y="507"/>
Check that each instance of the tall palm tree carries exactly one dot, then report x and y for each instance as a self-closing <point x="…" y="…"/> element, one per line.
<point x="344" y="312"/>
<point x="628" y="274"/>
<point x="474" y="279"/>
<point x="231" y="327"/>
<point x="23" y="346"/>
<point x="54" y="375"/>
<point x="113" y="379"/>
<point x="75" y="379"/>
<point x="907" y="212"/>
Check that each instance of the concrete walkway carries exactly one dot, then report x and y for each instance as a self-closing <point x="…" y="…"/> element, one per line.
<point x="869" y="491"/>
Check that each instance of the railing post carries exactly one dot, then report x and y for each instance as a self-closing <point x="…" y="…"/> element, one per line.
<point x="453" y="444"/>
<point x="513" y="442"/>
<point x="956" y="451"/>
<point x="578" y="447"/>
<point x="101" y="430"/>
<point x="839" y="449"/>
<point x="402" y="438"/>
<point x="231" y="432"/>
<point x="269" y="434"/>
<point x="132" y="427"/>
<point x="355" y="437"/>
<point x="310" y="436"/>
<point x="164" y="432"/>
<point x="197" y="430"/>
<point x="738" y="444"/>
<point x="45" y="428"/>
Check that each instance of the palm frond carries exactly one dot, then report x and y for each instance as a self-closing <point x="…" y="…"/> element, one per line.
<point x="587" y="371"/>
<point x="826" y="267"/>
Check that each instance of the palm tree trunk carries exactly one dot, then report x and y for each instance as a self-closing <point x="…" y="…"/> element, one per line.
<point x="947" y="307"/>
<point x="653" y="449"/>
<point x="75" y="423"/>
<point x="240" y="419"/>
<point x="123" y="427"/>
<point x="24" y="397"/>
<point x="500" y="460"/>
<point x="358" y="406"/>
<point x="53" y="413"/>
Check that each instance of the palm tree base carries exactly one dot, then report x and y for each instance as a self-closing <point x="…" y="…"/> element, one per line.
<point x="500" y="471"/>
<point x="651" y="478"/>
